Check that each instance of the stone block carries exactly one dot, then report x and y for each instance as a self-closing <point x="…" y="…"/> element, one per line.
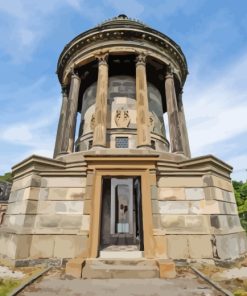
<point x="172" y="222"/>
<point x="27" y="181"/>
<point x="60" y="207"/>
<point x="214" y="181"/>
<point x="22" y="207"/>
<point x="167" y="269"/>
<point x="85" y="223"/>
<point x="69" y="246"/>
<point x="170" y="207"/>
<point x="63" y="182"/>
<point x="87" y="207"/>
<point x="42" y="246"/>
<point x="194" y="193"/>
<point x="59" y="220"/>
<point x="178" y="246"/>
<point x="176" y="181"/>
<point x="74" y="267"/>
<point x="227" y="246"/>
<point x="23" y="244"/>
<point x="154" y="192"/>
<point x="197" y="223"/>
<point x="16" y="221"/>
<point x="160" y="243"/>
<point x="171" y="194"/>
<point x="200" y="246"/>
<point x="89" y="192"/>
<point x="62" y="193"/>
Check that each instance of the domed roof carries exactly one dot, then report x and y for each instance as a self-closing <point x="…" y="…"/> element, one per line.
<point x="122" y="19"/>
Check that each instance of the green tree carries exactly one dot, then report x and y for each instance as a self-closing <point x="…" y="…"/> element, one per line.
<point x="6" y="177"/>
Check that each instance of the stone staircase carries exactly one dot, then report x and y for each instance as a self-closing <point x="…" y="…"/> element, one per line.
<point x="101" y="268"/>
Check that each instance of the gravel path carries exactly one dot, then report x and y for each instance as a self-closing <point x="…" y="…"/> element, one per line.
<point x="55" y="283"/>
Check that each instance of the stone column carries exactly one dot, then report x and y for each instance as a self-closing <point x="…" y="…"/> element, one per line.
<point x="142" y="118"/>
<point x="172" y="111"/>
<point x="61" y="123"/>
<point x="185" y="138"/>
<point x="69" y="134"/>
<point x="99" y="135"/>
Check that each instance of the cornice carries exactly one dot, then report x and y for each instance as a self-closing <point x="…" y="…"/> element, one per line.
<point x="122" y="30"/>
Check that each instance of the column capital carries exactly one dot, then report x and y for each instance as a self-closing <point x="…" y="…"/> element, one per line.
<point x="141" y="59"/>
<point x="74" y="72"/>
<point x="102" y="58"/>
<point x="169" y="71"/>
<point x="64" y="90"/>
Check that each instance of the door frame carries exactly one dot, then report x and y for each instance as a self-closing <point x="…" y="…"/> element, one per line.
<point x="122" y="166"/>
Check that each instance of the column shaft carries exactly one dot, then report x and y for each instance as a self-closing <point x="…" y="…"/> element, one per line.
<point x="99" y="135"/>
<point x="61" y="123"/>
<point x="184" y="131"/>
<point x="69" y="135"/>
<point x="142" y="111"/>
<point x="172" y="111"/>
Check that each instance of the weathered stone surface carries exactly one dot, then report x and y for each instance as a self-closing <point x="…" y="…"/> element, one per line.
<point x="24" y="194"/>
<point x="70" y="182"/>
<point x="231" y="245"/>
<point x="74" y="267"/>
<point x="42" y="246"/>
<point x="178" y="246"/>
<point x="194" y="193"/>
<point x="28" y="181"/>
<point x="171" y="194"/>
<point x="200" y="246"/>
<point x="167" y="269"/>
<point x="160" y="246"/>
<point x="62" y="193"/>
<point x="211" y="180"/>
<point x="183" y="182"/>
<point x="219" y="194"/>
<point x="59" y="220"/>
<point x="60" y="207"/>
<point x="69" y="246"/>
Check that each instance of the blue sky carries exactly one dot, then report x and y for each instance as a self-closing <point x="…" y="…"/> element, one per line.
<point x="211" y="33"/>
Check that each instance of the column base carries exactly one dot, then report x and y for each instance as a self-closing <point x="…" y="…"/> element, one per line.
<point x="144" y="147"/>
<point x="98" y="147"/>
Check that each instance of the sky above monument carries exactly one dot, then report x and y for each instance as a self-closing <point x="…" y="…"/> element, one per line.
<point x="212" y="35"/>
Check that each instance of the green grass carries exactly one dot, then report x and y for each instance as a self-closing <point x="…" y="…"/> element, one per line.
<point x="7" y="285"/>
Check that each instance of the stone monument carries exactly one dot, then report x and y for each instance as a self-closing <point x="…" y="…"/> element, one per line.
<point x="120" y="189"/>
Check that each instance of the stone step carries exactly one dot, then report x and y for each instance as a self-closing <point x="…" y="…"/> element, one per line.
<point x="121" y="254"/>
<point x="106" y="269"/>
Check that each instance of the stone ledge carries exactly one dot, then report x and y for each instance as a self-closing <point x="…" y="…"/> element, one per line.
<point x="74" y="267"/>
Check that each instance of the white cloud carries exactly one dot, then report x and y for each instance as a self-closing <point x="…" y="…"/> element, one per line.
<point x="216" y="108"/>
<point x="239" y="164"/>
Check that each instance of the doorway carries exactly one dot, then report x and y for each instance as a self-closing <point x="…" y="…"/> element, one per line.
<point x="121" y="213"/>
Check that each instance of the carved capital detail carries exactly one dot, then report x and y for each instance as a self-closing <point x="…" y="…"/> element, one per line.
<point x="102" y="58"/>
<point x="141" y="59"/>
<point x="169" y="71"/>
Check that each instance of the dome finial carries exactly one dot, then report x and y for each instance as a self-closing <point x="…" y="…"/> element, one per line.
<point x="123" y="16"/>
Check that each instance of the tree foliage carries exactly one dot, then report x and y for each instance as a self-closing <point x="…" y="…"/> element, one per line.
<point x="6" y="177"/>
<point x="240" y="190"/>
